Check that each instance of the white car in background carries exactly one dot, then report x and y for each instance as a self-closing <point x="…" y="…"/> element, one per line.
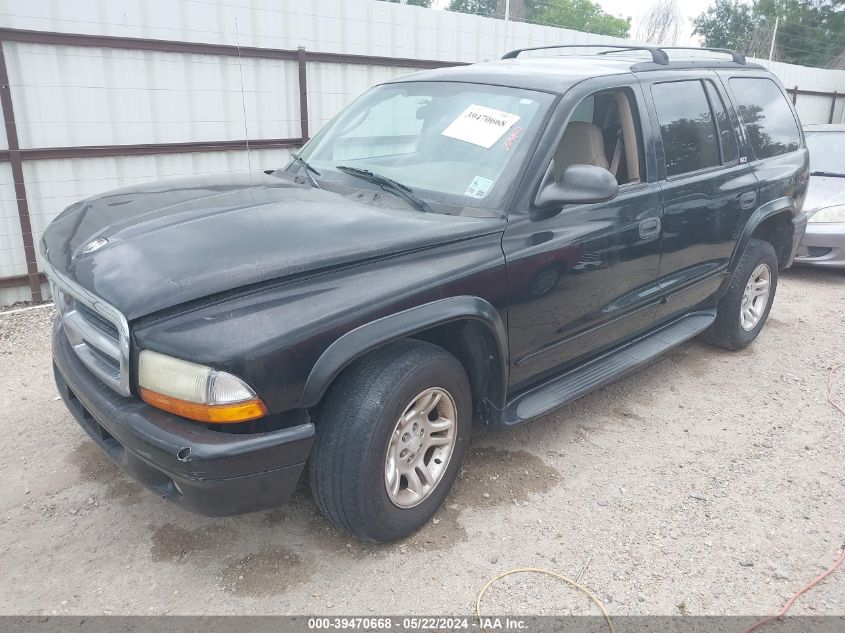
<point x="824" y="241"/>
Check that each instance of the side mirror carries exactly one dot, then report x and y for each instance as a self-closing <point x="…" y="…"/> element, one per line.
<point x="578" y="184"/>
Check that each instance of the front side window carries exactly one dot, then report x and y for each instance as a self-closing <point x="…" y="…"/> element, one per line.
<point x="768" y="118"/>
<point x="459" y="146"/>
<point x="603" y="130"/>
<point x="690" y="140"/>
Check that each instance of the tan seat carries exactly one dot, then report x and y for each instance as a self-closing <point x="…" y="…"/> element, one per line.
<point x="582" y="144"/>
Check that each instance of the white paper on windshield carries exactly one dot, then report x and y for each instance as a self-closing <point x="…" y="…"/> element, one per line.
<point x="479" y="187"/>
<point x="481" y="126"/>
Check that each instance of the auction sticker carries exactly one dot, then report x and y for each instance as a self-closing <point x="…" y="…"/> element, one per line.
<point x="481" y="126"/>
<point x="479" y="187"/>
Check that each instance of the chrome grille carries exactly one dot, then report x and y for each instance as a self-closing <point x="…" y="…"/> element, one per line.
<point x="96" y="320"/>
<point x="97" y="331"/>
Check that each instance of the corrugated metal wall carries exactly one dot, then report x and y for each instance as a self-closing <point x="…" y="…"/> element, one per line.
<point x="75" y="96"/>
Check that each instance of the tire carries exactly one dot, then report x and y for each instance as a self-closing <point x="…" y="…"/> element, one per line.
<point x="356" y="428"/>
<point x="728" y="330"/>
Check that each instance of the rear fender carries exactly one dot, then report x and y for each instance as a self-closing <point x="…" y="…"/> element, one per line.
<point x="785" y="205"/>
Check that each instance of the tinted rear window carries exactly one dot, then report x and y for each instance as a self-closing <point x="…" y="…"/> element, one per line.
<point x="689" y="135"/>
<point x="768" y="118"/>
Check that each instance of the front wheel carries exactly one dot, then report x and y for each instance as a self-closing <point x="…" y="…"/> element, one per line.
<point x="743" y="310"/>
<point x="391" y="436"/>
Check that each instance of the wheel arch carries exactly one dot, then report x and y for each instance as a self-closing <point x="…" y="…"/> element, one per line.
<point x="771" y="222"/>
<point x="468" y="327"/>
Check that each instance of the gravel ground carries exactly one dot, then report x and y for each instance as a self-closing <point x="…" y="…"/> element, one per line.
<point x="710" y="483"/>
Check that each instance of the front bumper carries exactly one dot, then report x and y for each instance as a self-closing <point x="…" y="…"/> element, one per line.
<point x="823" y="245"/>
<point x="208" y="472"/>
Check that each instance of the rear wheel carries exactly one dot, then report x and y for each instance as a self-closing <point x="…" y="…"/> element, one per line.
<point x="391" y="436"/>
<point x="743" y="310"/>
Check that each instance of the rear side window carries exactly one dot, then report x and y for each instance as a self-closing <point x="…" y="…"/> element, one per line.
<point x="690" y="140"/>
<point x="726" y="133"/>
<point x="768" y="118"/>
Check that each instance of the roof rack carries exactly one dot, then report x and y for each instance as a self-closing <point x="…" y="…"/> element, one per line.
<point x="737" y="57"/>
<point x="658" y="53"/>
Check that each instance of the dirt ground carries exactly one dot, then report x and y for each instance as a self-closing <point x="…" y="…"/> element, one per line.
<point x="710" y="483"/>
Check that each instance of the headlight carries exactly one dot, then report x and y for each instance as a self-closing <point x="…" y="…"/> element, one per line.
<point x="195" y="391"/>
<point x="829" y="214"/>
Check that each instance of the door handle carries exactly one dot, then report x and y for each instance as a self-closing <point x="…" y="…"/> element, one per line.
<point x="748" y="200"/>
<point x="650" y="227"/>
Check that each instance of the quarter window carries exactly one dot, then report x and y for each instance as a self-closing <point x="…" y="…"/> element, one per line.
<point x="726" y="133"/>
<point x="767" y="116"/>
<point x="687" y="128"/>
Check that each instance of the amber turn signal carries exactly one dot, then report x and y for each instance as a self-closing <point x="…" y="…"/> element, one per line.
<point x="214" y="413"/>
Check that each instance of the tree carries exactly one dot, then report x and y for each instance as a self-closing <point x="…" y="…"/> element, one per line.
<point x="662" y="24"/>
<point x="478" y="7"/>
<point x="810" y="32"/>
<point x="726" y="24"/>
<point x="415" y="3"/>
<point x="583" y="15"/>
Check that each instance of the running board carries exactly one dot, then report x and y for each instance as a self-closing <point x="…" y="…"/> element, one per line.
<point x="605" y="369"/>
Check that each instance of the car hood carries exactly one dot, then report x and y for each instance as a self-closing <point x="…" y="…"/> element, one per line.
<point x="824" y="191"/>
<point x="176" y="241"/>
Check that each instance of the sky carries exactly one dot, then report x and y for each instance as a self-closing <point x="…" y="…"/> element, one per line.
<point x="635" y="9"/>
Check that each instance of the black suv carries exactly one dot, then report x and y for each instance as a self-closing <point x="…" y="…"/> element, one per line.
<point x="472" y="244"/>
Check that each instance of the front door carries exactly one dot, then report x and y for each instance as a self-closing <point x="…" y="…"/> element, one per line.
<point x="584" y="278"/>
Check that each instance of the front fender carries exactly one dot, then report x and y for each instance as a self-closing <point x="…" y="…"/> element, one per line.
<point x="374" y="334"/>
<point x="273" y="337"/>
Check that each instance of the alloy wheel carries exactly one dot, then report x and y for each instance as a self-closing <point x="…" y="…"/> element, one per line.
<point x="420" y="447"/>
<point x="756" y="297"/>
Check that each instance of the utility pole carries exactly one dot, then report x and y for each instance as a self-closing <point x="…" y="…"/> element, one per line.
<point x="511" y="10"/>
<point x="774" y="35"/>
<point x="503" y="7"/>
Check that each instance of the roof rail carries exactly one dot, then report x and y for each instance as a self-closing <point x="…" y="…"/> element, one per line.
<point x="737" y="57"/>
<point x="657" y="55"/>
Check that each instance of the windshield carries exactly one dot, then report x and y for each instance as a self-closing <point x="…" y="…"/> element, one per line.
<point x="827" y="151"/>
<point x="458" y="146"/>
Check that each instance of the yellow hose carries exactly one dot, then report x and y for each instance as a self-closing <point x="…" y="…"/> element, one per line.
<point x="535" y="570"/>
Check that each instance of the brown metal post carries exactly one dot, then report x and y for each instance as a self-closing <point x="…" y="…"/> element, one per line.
<point x="17" y="178"/>
<point x="795" y="95"/>
<point x="303" y="93"/>
<point x="832" y="107"/>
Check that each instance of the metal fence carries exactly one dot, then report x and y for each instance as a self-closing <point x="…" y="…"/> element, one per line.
<point x="16" y="156"/>
<point x="831" y="96"/>
<point x="85" y="112"/>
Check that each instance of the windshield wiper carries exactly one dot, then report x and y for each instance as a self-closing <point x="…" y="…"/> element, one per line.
<point x="827" y="173"/>
<point x="388" y="184"/>
<point x="308" y="170"/>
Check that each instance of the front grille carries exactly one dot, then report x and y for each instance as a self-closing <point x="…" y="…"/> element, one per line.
<point x="97" y="332"/>
<point x="96" y="320"/>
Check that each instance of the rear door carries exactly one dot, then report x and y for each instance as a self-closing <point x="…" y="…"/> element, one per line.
<point x="708" y="188"/>
<point x="776" y="150"/>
